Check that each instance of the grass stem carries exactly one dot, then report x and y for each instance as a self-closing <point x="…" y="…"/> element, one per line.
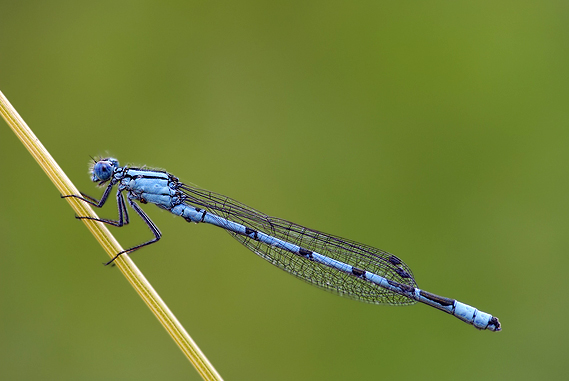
<point x="108" y="242"/>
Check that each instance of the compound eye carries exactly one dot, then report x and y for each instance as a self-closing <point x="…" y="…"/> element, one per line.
<point x="103" y="170"/>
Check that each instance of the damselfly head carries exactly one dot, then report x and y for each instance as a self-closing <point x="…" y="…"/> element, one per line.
<point x="103" y="169"/>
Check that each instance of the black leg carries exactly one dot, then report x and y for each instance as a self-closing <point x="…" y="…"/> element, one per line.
<point x="123" y="216"/>
<point x="123" y="213"/>
<point x="149" y="223"/>
<point x="91" y="200"/>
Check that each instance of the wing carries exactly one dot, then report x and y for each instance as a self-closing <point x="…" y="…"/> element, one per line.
<point x="353" y="253"/>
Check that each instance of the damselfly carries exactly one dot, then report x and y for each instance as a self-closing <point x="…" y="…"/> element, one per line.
<point x="336" y="264"/>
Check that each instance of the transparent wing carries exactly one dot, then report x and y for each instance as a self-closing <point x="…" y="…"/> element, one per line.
<point x="353" y="253"/>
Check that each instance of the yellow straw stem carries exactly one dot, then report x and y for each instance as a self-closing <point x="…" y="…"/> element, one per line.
<point x="109" y="243"/>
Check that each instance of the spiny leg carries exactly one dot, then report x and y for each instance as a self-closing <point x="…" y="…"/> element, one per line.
<point x="123" y="217"/>
<point x="123" y="213"/>
<point x="91" y="200"/>
<point x="149" y="223"/>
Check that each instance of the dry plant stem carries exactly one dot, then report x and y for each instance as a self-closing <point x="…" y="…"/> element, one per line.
<point x="109" y="243"/>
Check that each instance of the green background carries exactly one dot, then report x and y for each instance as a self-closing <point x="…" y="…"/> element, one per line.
<point x="434" y="130"/>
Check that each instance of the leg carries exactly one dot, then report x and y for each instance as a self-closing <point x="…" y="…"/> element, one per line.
<point x="91" y="200"/>
<point x="123" y="213"/>
<point x="149" y="223"/>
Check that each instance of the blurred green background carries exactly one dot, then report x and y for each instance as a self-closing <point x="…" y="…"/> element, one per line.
<point x="434" y="130"/>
